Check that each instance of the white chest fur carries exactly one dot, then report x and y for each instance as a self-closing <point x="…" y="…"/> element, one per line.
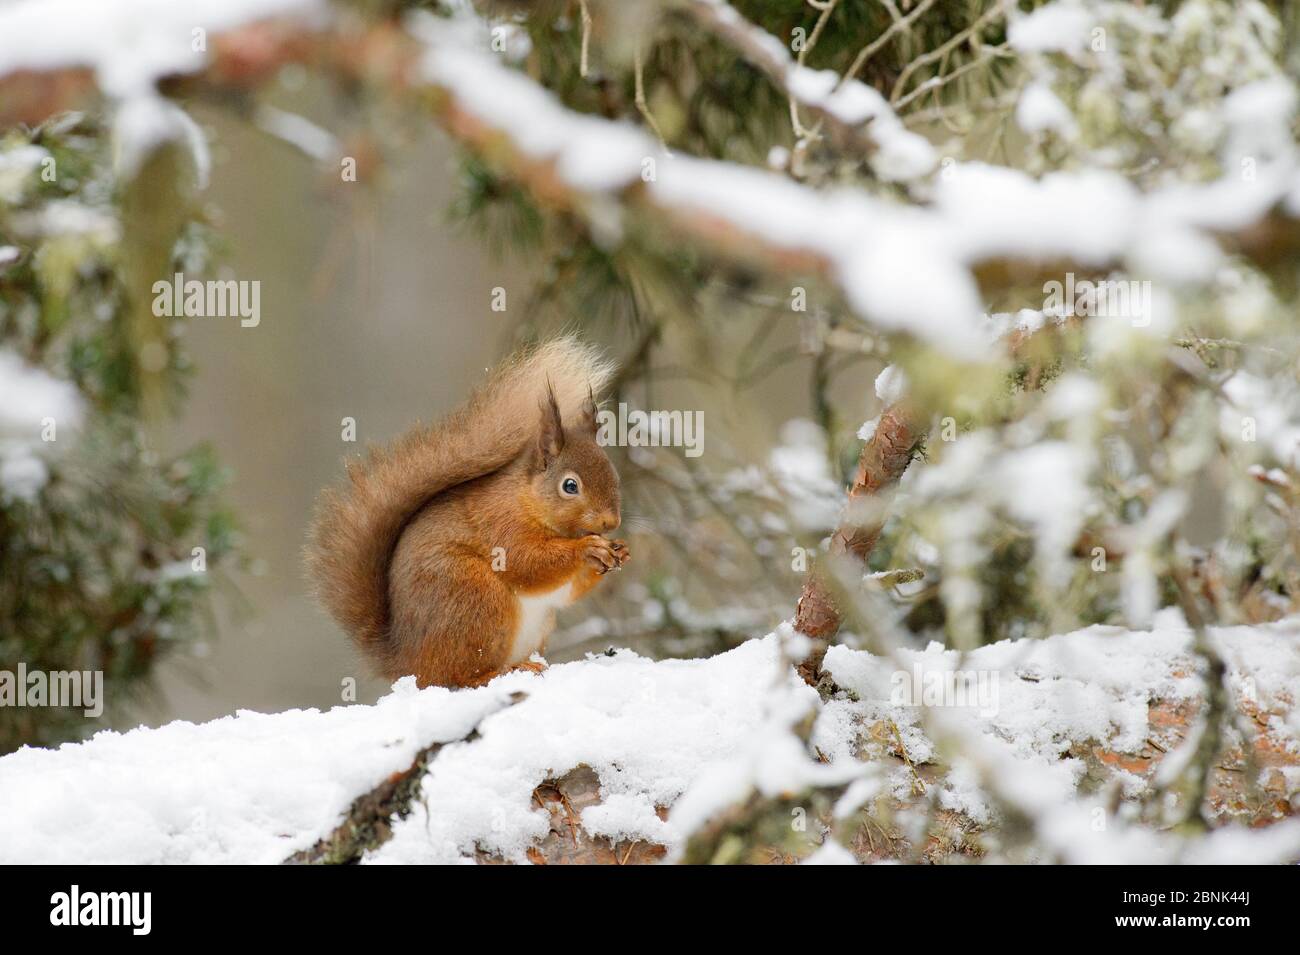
<point x="536" y="621"/>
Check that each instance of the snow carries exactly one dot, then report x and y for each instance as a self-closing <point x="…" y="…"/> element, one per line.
<point x="831" y="853"/>
<point x="16" y="168"/>
<point x="693" y="735"/>
<point x="250" y="788"/>
<point x="256" y="787"/>
<point x="1258" y="116"/>
<point x="801" y="473"/>
<point x="1232" y="846"/>
<point x="1139" y="583"/>
<point x="904" y="267"/>
<point x="1089" y="685"/>
<point x="649" y="731"/>
<point x="900" y="155"/>
<point x="129" y="43"/>
<point x="1054" y="473"/>
<point x="891" y="384"/>
<point x="28" y="395"/>
<point x="1067" y="690"/>
<point x="1074" y="396"/>
<point x="68" y="217"/>
<point x="890" y="260"/>
<point x="697" y="736"/>
<point x="1043" y="484"/>
<point x="1055" y="27"/>
<point x="588" y="153"/>
<point x="1089" y="216"/>
<point x="29" y="398"/>
<point x="907" y="269"/>
<point x="146" y="122"/>
<point x="1262" y="411"/>
<point x="1039" y="110"/>
<point x="300" y="132"/>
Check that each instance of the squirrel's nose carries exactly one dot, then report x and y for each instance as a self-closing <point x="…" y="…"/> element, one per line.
<point x="608" y="521"/>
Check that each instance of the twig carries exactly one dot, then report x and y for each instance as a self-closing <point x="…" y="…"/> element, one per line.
<point x="941" y="51"/>
<point x="938" y="82"/>
<point x="586" y="37"/>
<point x="882" y="462"/>
<point x="918" y="784"/>
<point x="870" y="50"/>
<point x="1200" y="768"/>
<point x="767" y="54"/>
<point x="642" y="107"/>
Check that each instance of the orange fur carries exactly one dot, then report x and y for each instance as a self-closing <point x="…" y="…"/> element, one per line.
<point x="429" y="558"/>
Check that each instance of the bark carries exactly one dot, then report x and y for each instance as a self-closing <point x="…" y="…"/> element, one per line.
<point x="567" y="843"/>
<point x="368" y="823"/>
<point x="1247" y="785"/>
<point x="883" y="460"/>
<point x="382" y="56"/>
<point x="881" y="464"/>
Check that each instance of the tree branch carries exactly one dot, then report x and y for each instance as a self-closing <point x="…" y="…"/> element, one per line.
<point x="881" y="464"/>
<point x="368" y="822"/>
<point x="852" y="239"/>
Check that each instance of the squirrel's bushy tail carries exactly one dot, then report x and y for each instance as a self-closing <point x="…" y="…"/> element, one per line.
<point x="356" y="526"/>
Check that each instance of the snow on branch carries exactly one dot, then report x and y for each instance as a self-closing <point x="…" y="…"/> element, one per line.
<point x="641" y="755"/>
<point x="130" y="44"/>
<point x="907" y="268"/>
<point x="857" y="113"/>
<point x="914" y="268"/>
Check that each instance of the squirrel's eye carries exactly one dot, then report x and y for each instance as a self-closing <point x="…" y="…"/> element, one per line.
<point x="569" y="486"/>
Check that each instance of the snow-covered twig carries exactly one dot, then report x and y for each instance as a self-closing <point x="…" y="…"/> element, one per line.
<point x="768" y="54"/>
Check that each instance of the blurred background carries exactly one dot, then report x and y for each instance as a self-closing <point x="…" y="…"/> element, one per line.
<point x="376" y="305"/>
<point x="373" y="308"/>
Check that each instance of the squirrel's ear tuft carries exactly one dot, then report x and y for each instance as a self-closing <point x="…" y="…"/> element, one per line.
<point x="587" y="418"/>
<point x="550" y="437"/>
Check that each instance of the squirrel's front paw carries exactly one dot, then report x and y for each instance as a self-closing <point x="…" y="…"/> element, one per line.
<point x="603" y="555"/>
<point x="620" y="551"/>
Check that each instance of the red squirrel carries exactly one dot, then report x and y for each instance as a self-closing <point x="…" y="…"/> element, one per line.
<point x="448" y="552"/>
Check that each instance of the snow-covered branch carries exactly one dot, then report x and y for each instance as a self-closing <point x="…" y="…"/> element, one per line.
<point x="918" y="269"/>
<point x="637" y="755"/>
<point x="857" y="114"/>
